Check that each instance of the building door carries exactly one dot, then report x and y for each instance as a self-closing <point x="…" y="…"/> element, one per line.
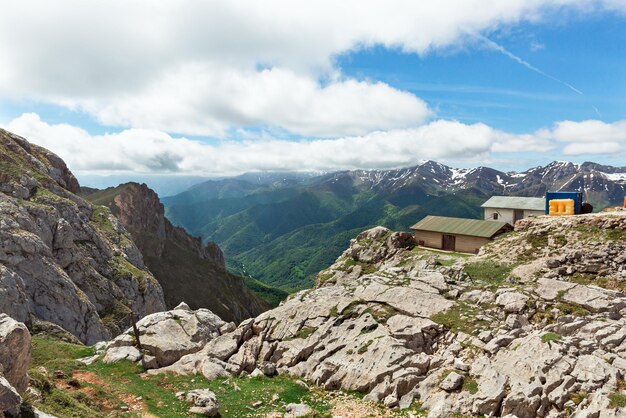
<point x="517" y="215"/>
<point x="449" y="242"/>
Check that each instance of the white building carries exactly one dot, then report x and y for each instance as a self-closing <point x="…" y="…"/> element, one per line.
<point x="512" y="208"/>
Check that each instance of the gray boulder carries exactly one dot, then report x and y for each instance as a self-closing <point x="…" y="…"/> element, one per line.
<point x="204" y="402"/>
<point x="10" y="400"/>
<point x="167" y="336"/>
<point x="14" y="352"/>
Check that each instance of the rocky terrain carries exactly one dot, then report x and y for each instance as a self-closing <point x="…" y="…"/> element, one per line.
<point x="186" y="269"/>
<point x="533" y="326"/>
<point x="63" y="261"/>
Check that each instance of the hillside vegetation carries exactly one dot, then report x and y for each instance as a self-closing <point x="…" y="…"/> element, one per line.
<point x="283" y="231"/>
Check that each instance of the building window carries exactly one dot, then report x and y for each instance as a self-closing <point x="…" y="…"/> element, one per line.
<point x="495" y="216"/>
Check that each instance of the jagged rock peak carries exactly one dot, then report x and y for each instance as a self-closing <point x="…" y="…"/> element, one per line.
<point x="186" y="269"/>
<point x="63" y="260"/>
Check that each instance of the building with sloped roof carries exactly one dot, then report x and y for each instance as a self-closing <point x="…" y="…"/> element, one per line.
<point x="457" y="234"/>
<point x="511" y="209"/>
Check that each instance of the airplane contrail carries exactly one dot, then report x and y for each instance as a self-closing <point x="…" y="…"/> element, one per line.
<point x="526" y="64"/>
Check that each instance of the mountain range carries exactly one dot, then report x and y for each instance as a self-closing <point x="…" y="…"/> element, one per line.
<point x="283" y="229"/>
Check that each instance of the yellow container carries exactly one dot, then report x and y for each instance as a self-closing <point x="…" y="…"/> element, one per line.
<point x="561" y="207"/>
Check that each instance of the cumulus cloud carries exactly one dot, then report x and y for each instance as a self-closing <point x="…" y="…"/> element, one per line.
<point x="208" y="67"/>
<point x="153" y="151"/>
<point x="204" y="100"/>
<point x="137" y="150"/>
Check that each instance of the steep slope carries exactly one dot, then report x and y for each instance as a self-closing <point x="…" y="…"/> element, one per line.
<point x="307" y="222"/>
<point x="532" y="327"/>
<point x="62" y="259"/>
<point x="187" y="270"/>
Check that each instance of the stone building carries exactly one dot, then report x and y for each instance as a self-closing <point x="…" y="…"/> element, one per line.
<point x="457" y="234"/>
<point x="511" y="209"/>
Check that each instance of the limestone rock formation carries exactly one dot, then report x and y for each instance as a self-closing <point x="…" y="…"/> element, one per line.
<point x="14" y="363"/>
<point x="62" y="259"/>
<point x="504" y="333"/>
<point x="167" y="336"/>
<point x="14" y="352"/>
<point x="174" y="256"/>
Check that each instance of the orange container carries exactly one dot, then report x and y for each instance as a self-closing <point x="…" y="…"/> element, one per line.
<point x="561" y="207"/>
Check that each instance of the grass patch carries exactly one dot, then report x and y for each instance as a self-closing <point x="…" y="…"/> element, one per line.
<point x="446" y="261"/>
<point x="123" y="269"/>
<point x="462" y="316"/>
<point x="57" y="355"/>
<point x="604" y="282"/>
<point x="111" y="388"/>
<point x="571" y="309"/>
<point x="550" y="337"/>
<point x="490" y="273"/>
<point x="617" y="400"/>
<point x="325" y="277"/>
<point x="305" y="332"/>
<point x="363" y="349"/>
<point x="470" y="385"/>
<point x="578" y="397"/>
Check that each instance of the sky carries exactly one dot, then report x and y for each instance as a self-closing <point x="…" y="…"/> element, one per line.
<point x="215" y="88"/>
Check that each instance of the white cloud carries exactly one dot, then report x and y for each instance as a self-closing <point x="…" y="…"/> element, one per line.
<point x="588" y="137"/>
<point x="193" y="67"/>
<point x="153" y="151"/>
<point x="146" y="151"/>
<point x="210" y="101"/>
<point x="590" y="131"/>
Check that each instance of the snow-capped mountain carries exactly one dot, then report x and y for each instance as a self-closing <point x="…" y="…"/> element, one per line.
<point x="602" y="185"/>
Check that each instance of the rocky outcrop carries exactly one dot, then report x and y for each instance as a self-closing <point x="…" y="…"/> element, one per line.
<point x="14" y="363"/>
<point x="204" y="402"/>
<point x="62" y="259"/>
<point x="174" y="256"/>
<point x="167" y="336"/>
<point x="492" y="335"/>
<point x="14" y="352"/>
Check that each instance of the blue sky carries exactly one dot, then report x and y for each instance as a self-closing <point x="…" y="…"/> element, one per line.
<point x="222" y="88"/>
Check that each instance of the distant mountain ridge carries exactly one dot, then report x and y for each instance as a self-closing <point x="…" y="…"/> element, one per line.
<point x="284" y="229"/>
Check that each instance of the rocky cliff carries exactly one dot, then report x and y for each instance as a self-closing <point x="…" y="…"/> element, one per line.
<point x="187" y="270"/>
<point x="63" y="260"/>
<point x="532" y="327"/>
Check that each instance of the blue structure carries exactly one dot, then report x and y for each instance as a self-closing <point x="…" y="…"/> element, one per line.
<point x="576" y="196"/>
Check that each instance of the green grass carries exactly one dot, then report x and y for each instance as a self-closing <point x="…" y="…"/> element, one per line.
<point x="462" y="316"/>
<point x="57" y="355"/>
<point x="122" y="379"/>
<point x="363" y="349"/>
<point x="123" y="269"/>
<point x="305" y="332"/>
<point x="325" y="277"/>
<point x="105" y="389"/>
<point x="470" y="385"/>
<point x="593" y="279"/>
<point x="550" y="337"/>
<point x="446" y="261"/>
<point x="571" y="309"/>
<point x="617" y="400"/>
<point x="489" y="274"/>
<point x="270" y="294"/>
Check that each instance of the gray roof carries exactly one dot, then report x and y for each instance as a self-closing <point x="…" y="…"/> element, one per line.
<point x="515" y="202"/>
<point x="460" y="226"/>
